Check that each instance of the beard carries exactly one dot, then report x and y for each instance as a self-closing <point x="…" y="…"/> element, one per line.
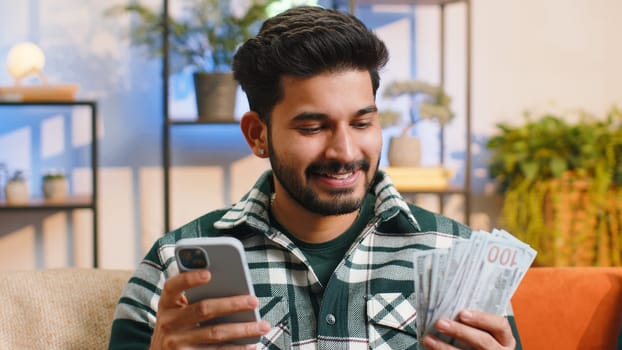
<point x="340" y="201"/>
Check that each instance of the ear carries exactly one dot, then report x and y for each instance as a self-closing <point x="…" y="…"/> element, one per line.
<point x="255" y="132"/>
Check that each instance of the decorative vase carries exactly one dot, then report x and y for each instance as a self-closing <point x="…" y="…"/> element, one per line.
<point x="404" y="151"/>
<point x="16" y="192"/>
<point x="215" y="96"/>
<point x="55" y="189"/>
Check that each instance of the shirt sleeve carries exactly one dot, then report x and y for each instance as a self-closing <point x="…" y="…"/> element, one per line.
<point x="512" y="320"/>
<point x="135" y="313"/>
<point x="129" y="335"/>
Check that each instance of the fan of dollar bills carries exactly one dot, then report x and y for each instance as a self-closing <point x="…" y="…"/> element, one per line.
<point x="479" y="273"/>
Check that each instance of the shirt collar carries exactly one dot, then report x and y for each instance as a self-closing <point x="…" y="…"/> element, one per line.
<point x="252" y="209"/>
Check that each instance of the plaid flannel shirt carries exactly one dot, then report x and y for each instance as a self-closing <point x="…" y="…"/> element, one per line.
<point x="368" y="302"/>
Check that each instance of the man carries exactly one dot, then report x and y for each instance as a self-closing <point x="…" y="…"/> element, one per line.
<point x="328" y="239"/>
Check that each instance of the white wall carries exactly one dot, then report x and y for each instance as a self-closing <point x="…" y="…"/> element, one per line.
<point x="531" y="53"/>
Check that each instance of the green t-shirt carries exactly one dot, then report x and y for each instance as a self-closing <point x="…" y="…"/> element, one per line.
<point x="324" y="257"/>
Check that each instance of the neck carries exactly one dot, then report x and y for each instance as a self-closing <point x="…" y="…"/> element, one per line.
<point x="308" y="226"/>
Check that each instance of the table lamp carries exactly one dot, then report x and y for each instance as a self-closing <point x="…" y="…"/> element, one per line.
<point x="26" y="59"/>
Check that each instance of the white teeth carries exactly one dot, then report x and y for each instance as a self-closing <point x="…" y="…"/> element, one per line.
<point x="338" y="176"/>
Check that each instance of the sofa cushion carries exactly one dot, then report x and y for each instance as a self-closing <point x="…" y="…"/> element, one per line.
<point x="66" y="308"/>
<point x="569" y="307"/>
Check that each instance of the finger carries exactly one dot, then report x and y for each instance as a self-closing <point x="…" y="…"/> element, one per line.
<point x="220" y="335"/>
<point x="212" y="308"/>
<point x="173" y="320"/>
<point x="174" y="287"/>
<point x="222" y="347"/>
<point x="433" y="343"/>
<point x="465" y="335"/>
<point x="227" y="347"/>
<point x="191" y="315"/>
<point x="495" y="325"/>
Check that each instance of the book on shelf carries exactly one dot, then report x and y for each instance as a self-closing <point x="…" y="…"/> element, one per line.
<point x="425" y="178"/>
<point x="39" y="93"/>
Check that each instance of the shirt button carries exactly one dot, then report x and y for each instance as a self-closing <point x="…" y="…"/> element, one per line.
<point x="330" y="319"/>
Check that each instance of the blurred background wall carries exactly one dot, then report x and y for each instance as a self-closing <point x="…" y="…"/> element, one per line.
<point x="527" y="54"/>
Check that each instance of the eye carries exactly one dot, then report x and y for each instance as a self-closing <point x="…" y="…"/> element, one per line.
<point x="310" y="129"/>
<point x="361" y="125"/>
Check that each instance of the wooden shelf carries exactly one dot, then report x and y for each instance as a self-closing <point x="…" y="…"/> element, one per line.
<point x="199" y="122"/>
<point x="49" y="103"/>
<point x="71" y="202"/>
<point x="440" y="191"/>
<point x="407" y="2"/>
<point x="436" y="187"/>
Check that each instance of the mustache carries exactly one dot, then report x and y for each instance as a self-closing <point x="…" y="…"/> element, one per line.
<point x="337" y="167"/>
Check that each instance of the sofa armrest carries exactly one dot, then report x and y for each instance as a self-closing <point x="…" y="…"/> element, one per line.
<point x="67" y="308"/>
<point x="569" y="307"/>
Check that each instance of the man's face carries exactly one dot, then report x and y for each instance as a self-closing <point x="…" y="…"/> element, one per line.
<point x="325" y="141"/>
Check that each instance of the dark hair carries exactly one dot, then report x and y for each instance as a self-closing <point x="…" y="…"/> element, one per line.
<point x="304" y="41"/>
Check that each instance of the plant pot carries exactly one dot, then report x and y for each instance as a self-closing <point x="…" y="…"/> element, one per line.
<point x="16" y="192"/>
<point x="215" y="96"/>
<point x="567" y="220"/>
<point x="55" y="189"/>
<point x="404" y="150"/>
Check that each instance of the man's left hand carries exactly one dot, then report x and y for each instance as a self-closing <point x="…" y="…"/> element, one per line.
<point x="477" y="330"/>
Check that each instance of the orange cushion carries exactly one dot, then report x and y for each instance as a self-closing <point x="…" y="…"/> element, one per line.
<point x="569" y="307"/>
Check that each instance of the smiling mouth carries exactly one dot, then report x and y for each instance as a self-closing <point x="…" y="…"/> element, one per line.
<point x="338" y="181"/>
<point x="337" y="170"/>
<point x="341" y="176"/>
<point x="336" y="174"/>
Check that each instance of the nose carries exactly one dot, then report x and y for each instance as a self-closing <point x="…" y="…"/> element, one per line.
<point x="341" y="145"/>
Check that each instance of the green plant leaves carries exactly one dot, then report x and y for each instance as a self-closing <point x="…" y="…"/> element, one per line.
<point x="530" y="169"/>
<point x="548" y="146"/>
<point x="427" y="101"/>
<point x="204" y="37"/>
<point x="558" y="166"/>
<point x="562" y="186"/>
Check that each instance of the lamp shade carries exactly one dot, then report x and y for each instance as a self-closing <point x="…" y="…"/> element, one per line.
<point x="24" y="59"/>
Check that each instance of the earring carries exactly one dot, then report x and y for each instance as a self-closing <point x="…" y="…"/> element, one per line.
<point x="261" y="151"/>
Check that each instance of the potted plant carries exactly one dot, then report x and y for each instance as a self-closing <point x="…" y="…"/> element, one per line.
<point x="55" y="186"/>
<point x="16" y="189"/>
<point x="203" y="39"/>
<point x="426" y="101"/>
<point x="562" y="186"/>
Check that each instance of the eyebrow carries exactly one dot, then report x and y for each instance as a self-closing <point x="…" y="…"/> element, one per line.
<point x="306" y="116"/>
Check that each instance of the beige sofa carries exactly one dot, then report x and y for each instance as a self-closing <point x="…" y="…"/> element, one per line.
<point x="555" y="308"/>
<point x="58" y="308"/>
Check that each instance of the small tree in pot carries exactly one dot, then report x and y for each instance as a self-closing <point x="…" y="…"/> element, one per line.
<point x="426" y="101"/>
<point x="55" y="186"/>
<point x="204" y="39"/>
<point x="16" y="189"/>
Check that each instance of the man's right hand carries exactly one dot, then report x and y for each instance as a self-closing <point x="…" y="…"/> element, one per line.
<point x="176" y="321"/>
